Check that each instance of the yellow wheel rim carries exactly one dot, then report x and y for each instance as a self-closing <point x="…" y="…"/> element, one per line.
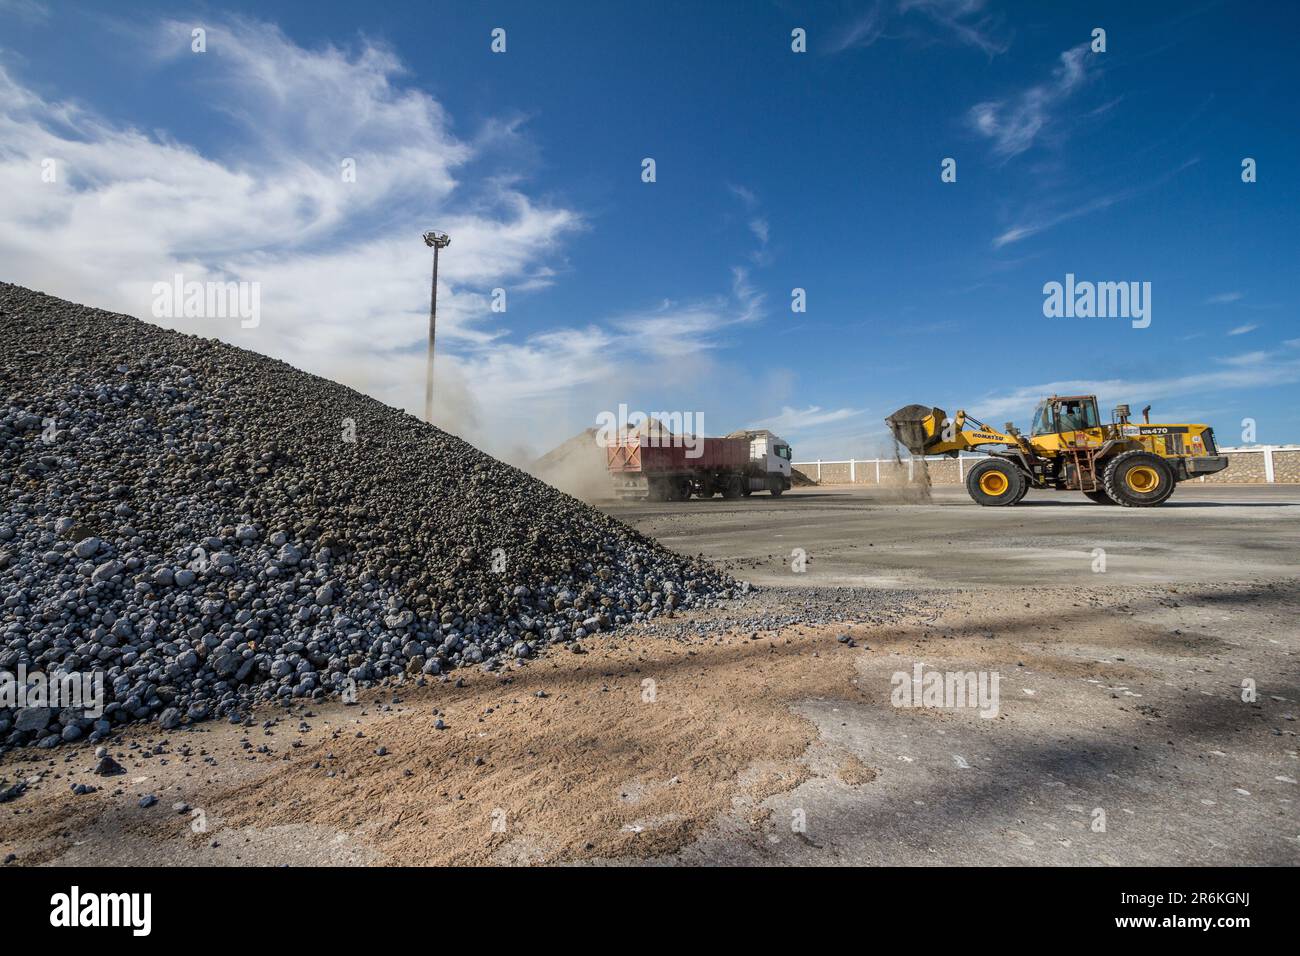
<point x="1142" y="479"/>
<point x="994" y="483"/>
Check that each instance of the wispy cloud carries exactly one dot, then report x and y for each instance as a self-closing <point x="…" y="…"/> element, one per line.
<point x="757" y="222"/>
<point x="673" y="330"/>
<point x="1258" y="357"/>
<point x="863" y="30"/>
<point x="795" y="420"/>
<point x="1013" y="124"/>
<point x="1037" y="221"/>
<point x="32" y="11"/>
<point x="1223" y="298"/>
<point x="964" y="22"/>
<point x="343" y="274"/>
<point x="1243" y="329"/>
<point x="1249" y="370"/>
<point x="1024" y="230"/>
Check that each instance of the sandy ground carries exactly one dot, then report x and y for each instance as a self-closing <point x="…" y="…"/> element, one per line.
<point x="1121" y="734"/>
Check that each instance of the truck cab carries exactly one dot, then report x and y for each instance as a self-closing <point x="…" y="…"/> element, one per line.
<point x="769" y="453"/>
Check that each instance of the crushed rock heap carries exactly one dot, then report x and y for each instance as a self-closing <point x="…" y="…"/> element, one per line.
<point x="210" y="528"/>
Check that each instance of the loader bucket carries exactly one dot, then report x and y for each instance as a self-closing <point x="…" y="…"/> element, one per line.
<point x="915" y="427"/>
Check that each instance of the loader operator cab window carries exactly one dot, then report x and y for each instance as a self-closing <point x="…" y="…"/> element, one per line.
<point x="1070" y="415"/>
<point x="1077" y="415"/>
<point x="1043" y="420"/>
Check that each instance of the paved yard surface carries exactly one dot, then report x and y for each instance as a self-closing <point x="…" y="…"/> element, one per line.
<point x="1145" y="714"/>
<point x="860" y="538"/>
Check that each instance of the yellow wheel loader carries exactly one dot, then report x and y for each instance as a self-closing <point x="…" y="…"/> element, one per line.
<point x="1068" y="448"/>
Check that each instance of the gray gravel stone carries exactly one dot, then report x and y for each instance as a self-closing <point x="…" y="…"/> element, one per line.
<point x="243" y="555"/>
<point x="86" y="547"/>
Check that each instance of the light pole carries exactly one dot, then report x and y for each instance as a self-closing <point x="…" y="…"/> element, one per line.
<point x="437" y="240"/>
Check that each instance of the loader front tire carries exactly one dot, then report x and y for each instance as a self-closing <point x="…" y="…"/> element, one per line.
<point x="1139" y="479"/>
<point x="995" y="483"/>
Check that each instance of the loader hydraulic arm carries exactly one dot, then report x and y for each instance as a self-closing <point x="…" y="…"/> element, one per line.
<point x="929" y="431"/>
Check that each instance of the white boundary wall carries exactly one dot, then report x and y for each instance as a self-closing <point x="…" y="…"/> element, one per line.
<point x="813" y="469"/>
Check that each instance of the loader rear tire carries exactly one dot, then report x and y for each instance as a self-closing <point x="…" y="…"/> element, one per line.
<point x="1099" y="497"/>
<point x="1139" y="479"/>
<point x="995" y="483"/>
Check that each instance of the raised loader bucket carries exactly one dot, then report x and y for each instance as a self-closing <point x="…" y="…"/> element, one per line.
<point x="916" y="426"/>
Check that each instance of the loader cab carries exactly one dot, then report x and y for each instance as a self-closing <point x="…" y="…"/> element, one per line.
<point x="1066" y="415"/>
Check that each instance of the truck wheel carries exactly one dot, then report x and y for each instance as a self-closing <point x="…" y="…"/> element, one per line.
<point x="1139" y="479"/>
<point x="1099" y="496"/>
<point x="774" y="485"/>
<point x="995" y="483"/>
<point x="733" y="488"/>
<point x="684" y="490"/>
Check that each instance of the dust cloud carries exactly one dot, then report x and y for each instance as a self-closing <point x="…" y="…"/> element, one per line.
<point x="576" y="467"/>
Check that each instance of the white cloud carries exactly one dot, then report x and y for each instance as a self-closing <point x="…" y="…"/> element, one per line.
<point x="344" y="276"/>
<point x="864" y="30"/>
<point x="795" y="420"/>
<point x="962" y="21"/>
<point x="32" y="11"/>
<point x="1243" y="329"/>
<point x="744" y="194"/>
<point x="1031" y="228"/>
<point x="1223" y="298"/>
<point x="1013" y="124"/>
<point x="1036" y="220"/>
<point x="1250" y="370"/>
<point x="1255" y="358"/>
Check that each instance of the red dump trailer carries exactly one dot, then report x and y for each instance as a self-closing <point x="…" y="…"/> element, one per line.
<point x="670" y="468"/>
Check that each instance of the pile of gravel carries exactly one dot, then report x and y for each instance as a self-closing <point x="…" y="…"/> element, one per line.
<point x="189" y="519"/>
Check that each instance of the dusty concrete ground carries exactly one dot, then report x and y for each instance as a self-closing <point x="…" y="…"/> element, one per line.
<point x="863" y="538"/>
<point x="1121" y="734"/>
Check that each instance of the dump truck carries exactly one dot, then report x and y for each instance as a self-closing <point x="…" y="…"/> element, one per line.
<point x="663" y="467"/>
<point x="1069" y="448"/>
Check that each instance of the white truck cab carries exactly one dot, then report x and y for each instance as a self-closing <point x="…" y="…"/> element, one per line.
<point x="769" y="452"/>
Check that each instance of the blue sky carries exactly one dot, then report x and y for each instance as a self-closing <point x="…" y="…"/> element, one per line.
<point x="775" y="170"/>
